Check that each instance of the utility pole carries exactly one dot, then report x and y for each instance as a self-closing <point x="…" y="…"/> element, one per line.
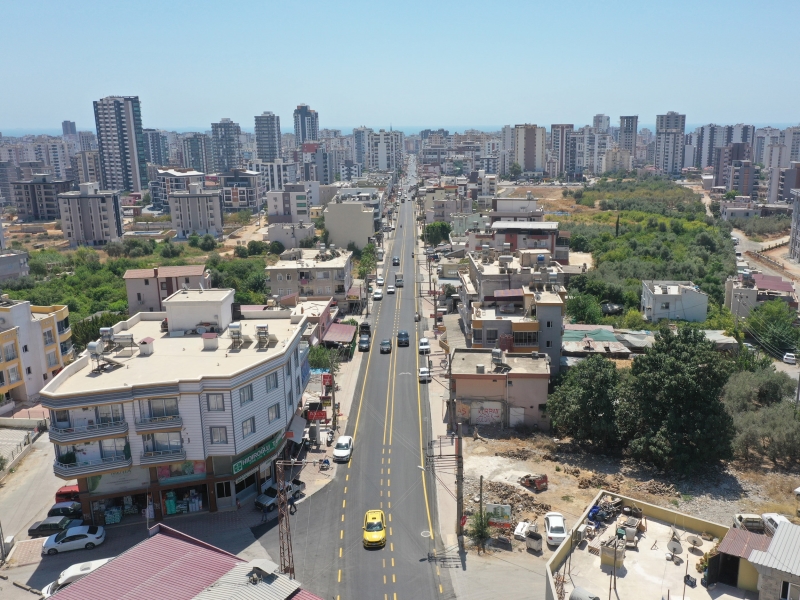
<point x="459" y="481"/>
<point x="284" y="531"/>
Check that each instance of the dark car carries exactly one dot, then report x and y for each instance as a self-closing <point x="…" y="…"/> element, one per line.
<point x="66" y="509"/>
<point x="386" y="346"/>
<point x="403" y="338"/>
<point x="363" y="343"/>
<point x="52" y="525"/>
<point x="364" y="328"/>
<point x="395" y="261"/>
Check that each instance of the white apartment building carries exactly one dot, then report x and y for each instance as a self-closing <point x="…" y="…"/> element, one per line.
<point x="444" y="206"/>
<point x="276" y="174"/>
<point x="194" y="409"/>
<point x="674" y="300"/>
<point x="90" y="217"/>
<point x="121" y="143"/>
<point x="169" y="181"/>
<point x="616" y="159"/>
<point x="196" y="211"/>
<point x="530" y="142"/>
<point x="291" y="205"/>
<point x="559" y="142"/>
<point x="349" y="221"/>
<point x="86" y="166"/>
<point x="148" y="288"/>
<point x="386" y="150"/>
<point x="585" y="150"/>
<point x="289" y="234"/>
<point x="54" y="153"/>
<point x="670" y="129"/>
<point x="241" y="190"/>
<point x="312" y="273"/>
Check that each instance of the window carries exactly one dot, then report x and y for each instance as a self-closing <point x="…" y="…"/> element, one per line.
<point x="297" y="383"/>
<point x="110" y="413"/>
<point x="52" y="359"/>
<point x="248" y="427"/>
<point x="113" y="448"/>
<point x="491" y="336"/>
<point x="25" y="348"/>
<point x="162" y="442"/>
<point x="219" y="435"/>
<point x="223" y="489"/>
<point x="288" y="368"/>
<point x="549" y="324"/>
<point x="10" y="351"/>
<point x="526" y="338"/>
<point x="159" y="408"/>
<point x="790" y="591"/>
<point x="280" y="277"/>
<point x="477" y="335"/>
<point x="139" y="296"/>
<point x="548" y="344"/>
<point x="28" y="370"/>
<point x="665" y="306"/>
<point x="288" y="277"/>
<point x="274" y="412"/>
<point x="13" y="374"/>
<point x="164" y="285"/>
<point x="186" y="280"/>
<point x="147" y="282"/>
<point x="272" y="381"/>
<point x="216" y="402"/>
<point x="245" y="395"/>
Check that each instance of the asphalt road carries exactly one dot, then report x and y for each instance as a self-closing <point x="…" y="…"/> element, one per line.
<point x="390" y="423"/>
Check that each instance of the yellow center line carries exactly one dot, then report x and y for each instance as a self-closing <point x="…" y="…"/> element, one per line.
<point x="344" y="503"/>
<point x="342" y="518"/>
<point x="384" y="579"/>
<point x="391" y="546"/>
<point x="340" y="576"/>
<point x="341" y="534"/>
<point x="347" y="477"/>
<point x="390" y="517"/>
<point x="340" y="553"/>
<point x="393" y="579"/>
<point x="345" y="489"/>
<point x="393" y="561"/>
<point x="388" y="471"/>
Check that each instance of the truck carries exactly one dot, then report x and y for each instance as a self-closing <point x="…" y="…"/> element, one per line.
<point x="398" y="279"/>
<point x="269" y="497"/>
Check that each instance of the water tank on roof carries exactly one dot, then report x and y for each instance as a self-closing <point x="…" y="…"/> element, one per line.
<point x="540" y="258"/>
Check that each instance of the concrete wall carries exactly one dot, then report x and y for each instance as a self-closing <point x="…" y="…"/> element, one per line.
<point x="748" y="576"/>
<point x="349" y="222"/>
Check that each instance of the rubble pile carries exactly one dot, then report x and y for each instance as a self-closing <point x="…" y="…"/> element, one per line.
<point x="657" y="488"/>
<point x="599" y="480"/>
<point x="521" y="501"/>
<point x="516" y="454"/>
<point x="575" y="471"/>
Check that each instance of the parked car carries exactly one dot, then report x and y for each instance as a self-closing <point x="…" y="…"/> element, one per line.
<point x="377" y="295"/>
<point x="343" y="449"/>
<point x="386" y="346"/>
<point x="403" y="338"/>
<point x="424" y="346"/>
<point x="269" y="496"/>
<point x="67" y="493"/>
<point x="364" y="328"/>
<point x="789" y="358"/>
<point x="747" y="521"/>
<point x="363" y="343"/>
<point x="71" y="575"/>
<point x="380" y="280"/>
<point x="424" y="375"/>
<point x="66" y="509"/>
<point x="555" y="528"/>
<point x="75" y="538"/>
<point x="52" y="525"/>
<point x="772" y="520"/>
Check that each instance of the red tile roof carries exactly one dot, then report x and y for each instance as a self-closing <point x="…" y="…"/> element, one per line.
<point x="169" y="564"/>
<point x="773" y="283"/>
<point x="739" y="542"/>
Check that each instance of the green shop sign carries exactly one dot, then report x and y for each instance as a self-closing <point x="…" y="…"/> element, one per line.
<point x="257" y="454"/>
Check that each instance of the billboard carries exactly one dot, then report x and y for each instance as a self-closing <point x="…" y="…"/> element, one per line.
<point x="499" y="514"/>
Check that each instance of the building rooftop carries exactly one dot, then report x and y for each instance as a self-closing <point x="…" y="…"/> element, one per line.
<point x="783" y="553"/>
<point x="179" y="172"/>
<point x="466" y="361"/>
<point x="182" y="271"/>
<point x="311" y="258"/>
<point x="671" y="288"/>
<point x="540" y="225"/>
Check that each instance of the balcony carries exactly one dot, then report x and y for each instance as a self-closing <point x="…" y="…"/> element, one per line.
<point x="158" y="423"/>
<point x="163" y="456"/>
<point x="65" y="435"/>
<point x="92" y="467"/>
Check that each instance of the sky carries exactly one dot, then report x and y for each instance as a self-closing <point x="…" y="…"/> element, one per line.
<point x="408" y="64"/>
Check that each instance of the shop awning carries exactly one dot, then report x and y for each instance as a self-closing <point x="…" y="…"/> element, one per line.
<point x="339" y="332"/>
<point x="297" y="427"/>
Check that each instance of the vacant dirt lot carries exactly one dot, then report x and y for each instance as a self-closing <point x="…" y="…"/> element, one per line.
<point x="502" y="457"/>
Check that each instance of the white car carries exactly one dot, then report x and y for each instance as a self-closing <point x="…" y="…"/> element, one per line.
<point x="71" y="575"/>
<point x="75" y="538"/>
<point x="377" y="295"/>
<point x="789" y="358"/>
<point x="343" y="449"/>
<point x="424" y="375"/>
<point x="380" y="281"/>
<point x="772" y="520"/>
<point x="390" y="289"/>
<point x="555" y="528"/>
<point x="424" y="346"/>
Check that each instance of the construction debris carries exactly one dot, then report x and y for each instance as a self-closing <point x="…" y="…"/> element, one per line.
<point x="523" y="503"/>
<point x="516" y="454"/>
<point x="657" y="488"/>
<point x="599" y="480"/>
<point x="571" y="470"/>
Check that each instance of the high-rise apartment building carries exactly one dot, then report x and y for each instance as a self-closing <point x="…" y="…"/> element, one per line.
<point x="268" y="136"/>
<point x="241" y="190"/>
<point x="558" y="145"/>
<point x="227" y="145"/>
<point x="306" y="125"/>
<point x="276" y="174"/>
<point x="121" y="143"/>
<point x="169" y="181"/>
<point x="68" y="128"/>
<point x="198" y="153"/>
<point x="91" y="217"/>
<point x="763" y="137"/>
<point x="670" y="131"/>
<point x="36" y="199"/>
<point x="529" y="147"/>
<point x="8" y="173"/>
<point x="601" y="123"/>
<point x="156" y="147"/>
<point x="87" y="140"/>
<point x="361" y="145"/>
<point x="386" y="149"/>
<point x="585" y="150"/>
<point x="52" y="152"/>
<point x="86" y="167"/>
<point x="628" y="130"/>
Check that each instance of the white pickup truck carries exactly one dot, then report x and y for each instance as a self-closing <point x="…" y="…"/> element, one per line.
<point x="269" y="495"/>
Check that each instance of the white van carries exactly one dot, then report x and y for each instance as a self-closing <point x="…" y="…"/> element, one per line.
<point x="71" y="575"/>
<point x="772" y="520"/>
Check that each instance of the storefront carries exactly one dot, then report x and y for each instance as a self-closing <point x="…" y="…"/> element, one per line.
<point x="183" y="487"/>
<point x="118" y="497"/>
<point x="247" y="473"/>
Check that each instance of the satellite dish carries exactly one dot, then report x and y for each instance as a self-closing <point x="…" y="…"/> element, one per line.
<point x="675" y="547"/>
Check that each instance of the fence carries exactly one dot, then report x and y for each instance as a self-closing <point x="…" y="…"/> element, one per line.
<point x="770" y="262"/>
<point x="20" y="451"/>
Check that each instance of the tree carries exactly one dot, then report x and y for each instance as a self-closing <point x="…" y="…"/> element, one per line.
<point x="146" y="199"/>
<point x="194" y="240"/>
<point x="753" y="390"/>
<point x="583" y="406"/>
<point x="670" y="407"/>
<point x="515" y="170"/>
<point x="114" y="249"/>
<point x="241" y="252"/>
<point x="772" y="326"/>
<point x="579" y="243"/>
<point x="208" y="243"/>
<point x="437" y="232"/>
<point x="276" y="248"/>
<point x="320" y="357"/>
<point x="584" y="309"/>
<point x="88" y="330"/>
<point x="730" y="195"/>
<point x="256" y="247"/>
<point x="478" y="530"/>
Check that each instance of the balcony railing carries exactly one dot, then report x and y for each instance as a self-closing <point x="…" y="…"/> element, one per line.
<point x="79" y="469"/>
<point x="157" y="423"/>
<point x="163" y="456"/>
<point x="73" y="434"/>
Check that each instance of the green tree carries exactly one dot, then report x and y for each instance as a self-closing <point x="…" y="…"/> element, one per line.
<point x="515" y="170"/>
<point x="583" y="406"/>
<point x="730" y="195"/>
<point x="478" y="530"/>
<point x="320" y="357"/>
<point x="579" y="243"/>
<point x="194" y="240"/>
<point x="208" y="243"/>
<point x="437" y="232"/>
<point x="257" y="248"/>
<point x="584" y="309"/>
<point x="241" y="252"/>
<point x="670" y="408"/>
<point x="772" y="326"/>
<point x="88" y="330"/>
<point x="753" y="390"/>
<point x="276" y="248"/>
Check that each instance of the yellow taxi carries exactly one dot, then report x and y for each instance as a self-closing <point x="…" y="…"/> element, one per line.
<point x="374" y="529"/>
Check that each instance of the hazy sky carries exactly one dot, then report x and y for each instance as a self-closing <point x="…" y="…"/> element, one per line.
<point x="405" y="63"/>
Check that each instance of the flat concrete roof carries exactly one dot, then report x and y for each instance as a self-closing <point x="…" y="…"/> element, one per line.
<point x="466" y="360"/>
<point x="309" y="260"/>
<point x="177" y="358"/>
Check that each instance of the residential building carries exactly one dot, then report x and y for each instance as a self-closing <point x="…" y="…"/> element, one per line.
<point x="349" y="221"/>
<point x="673" y="300"/>
<point x="628" y="132"/>
<point x="319" y="165"/>
<point x="196" y="210"/>
<point x="529" y="148"/>
<point x="522" y="235"/>
<point x="68" y="128"/>
<point x="747" y="290"/>
<point x="742" y="178"/>
<point x="616" y="159"/>
<point x="198" y="152"/>
<point x="306" y="125"/>
<point x="120" y="141"/>
<point x="241" y="190"/>
<point x="90" y="217"/>
<point x="13" y="263"/>
<point x="86" y="167"/>
<point x="148" y="288"/>
<point x="444" y="204"/>
<point x="313" y="273"/>
<point x="29" y="169"/>
<point x="288" y="206"/>
<point x="156" y="147"/>
<point x="226" y="145"/>
<point x="669" y="143"/>
<point x="54" y="153"/>
<point x="37" y="199"/>
<point x="169" y="181"/>
<point x="202" y="389"/>
<point x="268" y="137"/>
<point x="37" y="343"/>
<point x="276" y="174"/>
<point x="290" y="235"/>
<point x="725" y="155"/>
<point x="559" y="136"/>
<point x="9" y="173"/>
<point x="601" y="123"/>
<point x="778" y="565"/>
<point x="708" y="139"/>
<point x="585" y="150"/>
<point x="508" y="389"/>
<point x="794" y="236"/>
<point x="87" y="140"/>
<point x="361" y="145"/>
<point x="350" y="169"/>
<point x="386" y="150"/>
<point x="741" y="208"/>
